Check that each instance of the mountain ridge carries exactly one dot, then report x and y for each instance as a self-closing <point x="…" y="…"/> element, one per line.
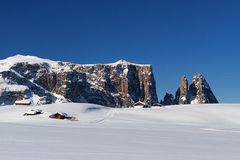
<point x="119" y="84"/>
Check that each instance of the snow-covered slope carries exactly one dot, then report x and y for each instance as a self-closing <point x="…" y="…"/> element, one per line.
<point x="174" y="132"/>
<point x="223" y="115"/>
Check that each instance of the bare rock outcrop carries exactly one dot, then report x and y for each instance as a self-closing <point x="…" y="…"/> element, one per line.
<point x="182" y="92"/>
<point x="119" y="84"/>
<point x="198" y="92"/>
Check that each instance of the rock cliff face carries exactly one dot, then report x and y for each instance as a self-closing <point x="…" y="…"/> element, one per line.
<point x="182" y="92"/>
<point x="120" y="84"/>
<point x="199" y="91"/>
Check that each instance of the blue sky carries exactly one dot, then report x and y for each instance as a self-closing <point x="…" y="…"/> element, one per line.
<point x="177" y="37"/>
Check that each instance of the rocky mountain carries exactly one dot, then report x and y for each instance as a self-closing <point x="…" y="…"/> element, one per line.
<point x="43" y="81"/>
<point x="198" y="92"/>
<point x="182" y="92"/>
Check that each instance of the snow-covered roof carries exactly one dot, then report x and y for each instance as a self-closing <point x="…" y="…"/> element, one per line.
<point x="157" y="104"/>
<point x="23" y="101"/>
<point x="62" y="114"/>
<point x="33" y="112"/>
<point x="139" y="103"/>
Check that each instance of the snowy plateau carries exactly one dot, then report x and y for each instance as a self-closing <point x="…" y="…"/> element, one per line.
<point x="88" y="112"/>
<point x="186" y="132"/>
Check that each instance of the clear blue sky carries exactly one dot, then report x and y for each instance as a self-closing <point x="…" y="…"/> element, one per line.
<point x="176" y="36"/>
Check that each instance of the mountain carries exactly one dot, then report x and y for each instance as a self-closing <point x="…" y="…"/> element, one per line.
<point x="199" y="92"/>
<point x="43" y="81"/>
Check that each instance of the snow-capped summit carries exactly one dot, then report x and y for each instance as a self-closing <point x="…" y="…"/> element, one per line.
<point x="26" y="59"/>
<point x="125" y="63"/>
<point x="46" y="81"/>
<point x="7" y="63"/>
<point x="121" y="61"/>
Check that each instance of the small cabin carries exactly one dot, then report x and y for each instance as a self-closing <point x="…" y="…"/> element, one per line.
<point x="23" y="102"/>
<point x="157" y="105"/>
<point x="141" y="104"/>
<point x="59" y="115"/>
<point x="33" y="112"/>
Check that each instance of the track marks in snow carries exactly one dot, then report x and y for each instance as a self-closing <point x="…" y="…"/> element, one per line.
<point x="107" y="116"/>
<point x="220" y="130"/>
